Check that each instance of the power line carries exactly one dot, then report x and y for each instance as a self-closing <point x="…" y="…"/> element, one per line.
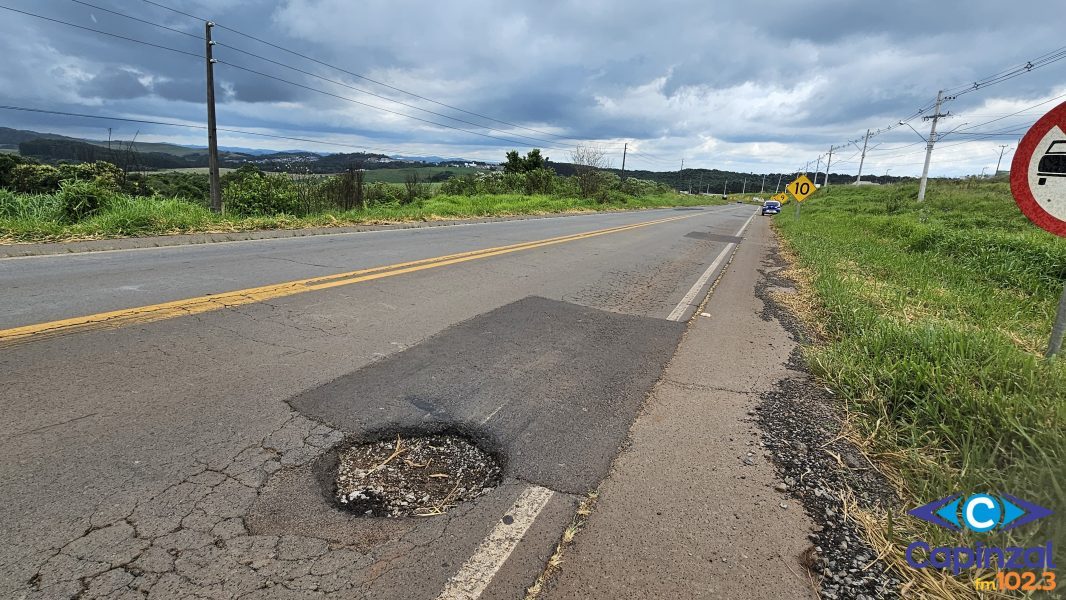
<point x="362" y="91"/>
<point x="364" y="77"/>
<point x="1041" y="61"/>
<point x="114" y="35"/>
<point x="305" y="72"/>
<point x="198" y="56"/>
<point x="174" y="10"/>
<point x="354" y="101"/>
<point x="1015" y="113"/>
<point x="139" y="20"/>
<point x="189" y="126"/>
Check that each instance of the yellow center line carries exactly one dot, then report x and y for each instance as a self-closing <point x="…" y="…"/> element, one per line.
<point x="201" y="304"/>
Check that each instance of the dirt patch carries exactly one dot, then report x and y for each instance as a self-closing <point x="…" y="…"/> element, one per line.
<point x="418" y="476"/>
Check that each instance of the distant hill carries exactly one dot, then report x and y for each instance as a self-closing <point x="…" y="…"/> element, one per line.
<point x="11" y="138"/>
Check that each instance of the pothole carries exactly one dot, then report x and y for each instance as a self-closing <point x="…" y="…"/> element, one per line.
<point x="414" y="476"/>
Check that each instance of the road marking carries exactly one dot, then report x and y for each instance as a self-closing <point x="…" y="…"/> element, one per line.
<point x="211" y="302"/>
<point x="687" y="301"/>
<point x="474" y="576"/>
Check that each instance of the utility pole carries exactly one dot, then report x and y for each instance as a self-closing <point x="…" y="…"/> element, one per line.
<point x="828" y="161"/>
<point x="817" y="170"/>
<point x="929" y="145"/>
<point x="212" y="133"/>
<point x="744" y="189"/>
<point x="679" y="174"/>
<point x="763" y="187"/>
<point x="865" y="141"/>
<point x="1002" y="149"/>
<point x="699" y="186"/>
<point x="625" y="148"/>
<point x="725" y="188"/>
<point x="778" y="187"/>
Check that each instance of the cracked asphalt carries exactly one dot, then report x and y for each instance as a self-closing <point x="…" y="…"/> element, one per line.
<point x="189" y="457"/>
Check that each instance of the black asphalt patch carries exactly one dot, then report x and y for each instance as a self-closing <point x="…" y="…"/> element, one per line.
<point x="550" y="387"/>
<point x="714" y="237"/>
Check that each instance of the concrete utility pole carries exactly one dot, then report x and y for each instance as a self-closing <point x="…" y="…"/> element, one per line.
<point x="817" y="170"/>
<point x="212" y="133"/>
<point x="679" y="174"/>
<point x="625" y="147"/>
<point x="725" y="188"/>
<point x="699" y="186"/>
<point x="744" y="189"/>
<point x="929" y="145"/>
<point x="1002" y="149"/>
<point x="828" y="161"/>
<point x="763" y="187"/>
<point x="865" y="142"/>
<point x="777" y="188"/>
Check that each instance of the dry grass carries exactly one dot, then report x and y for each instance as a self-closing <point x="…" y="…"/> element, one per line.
<point x="580" y="518"/>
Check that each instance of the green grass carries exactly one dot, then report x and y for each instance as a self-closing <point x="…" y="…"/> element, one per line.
<point x="26" y="218"/>
<point x="936" y="317"/>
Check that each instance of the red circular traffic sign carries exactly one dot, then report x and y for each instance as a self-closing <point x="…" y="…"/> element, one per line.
<point x="1038" y="172"/>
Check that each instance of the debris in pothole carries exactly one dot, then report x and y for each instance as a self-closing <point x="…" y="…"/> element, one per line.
<point x="420" y="476"/>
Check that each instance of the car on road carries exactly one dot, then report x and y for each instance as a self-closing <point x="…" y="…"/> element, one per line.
<point x="771" y="207"/>
<point x="1053" y="163"/>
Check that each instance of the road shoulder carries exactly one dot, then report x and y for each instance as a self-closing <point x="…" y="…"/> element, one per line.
<point x="692" y="507"/>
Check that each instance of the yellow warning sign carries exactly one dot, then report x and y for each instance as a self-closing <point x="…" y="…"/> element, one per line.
<point x="782" y="197"/>
<point x="800" y="188"/>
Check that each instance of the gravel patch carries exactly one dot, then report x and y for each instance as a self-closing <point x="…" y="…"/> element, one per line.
<point x="800" y="424"/>
<point x="419" y="476"/>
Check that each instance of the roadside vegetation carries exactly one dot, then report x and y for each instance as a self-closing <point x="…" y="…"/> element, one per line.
<point x="41" y="202"/>
<point x="934" y="318"/>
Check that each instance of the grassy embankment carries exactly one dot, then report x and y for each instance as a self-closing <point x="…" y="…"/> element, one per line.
<point x="934" y="319"/>
<point x="27" y="218"/>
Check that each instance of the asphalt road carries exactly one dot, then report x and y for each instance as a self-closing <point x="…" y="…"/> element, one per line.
<point x="171" y="410"/>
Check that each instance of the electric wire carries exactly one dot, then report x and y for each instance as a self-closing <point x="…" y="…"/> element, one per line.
<point x="114" y="35"/>
<point x="364" y="77"/>
<point x="364" y="149"/>
<point x="139" y="20"/>
<point x="361" y="103"/>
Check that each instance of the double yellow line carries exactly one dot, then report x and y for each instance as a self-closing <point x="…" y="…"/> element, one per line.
<point x="201" y="304"/>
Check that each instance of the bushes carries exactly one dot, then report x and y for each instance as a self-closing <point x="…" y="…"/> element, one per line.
<point x="380" y="192"/>
<point x="31" y="178"/>
<point x="262" y="195"/>
<point x="539" y="181"/>
<point x="34" y="179"/>
<point x="82" y="199"/>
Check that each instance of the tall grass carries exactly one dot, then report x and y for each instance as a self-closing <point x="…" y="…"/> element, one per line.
<point x="936" y="316"/>
<point x="39" y="218"/>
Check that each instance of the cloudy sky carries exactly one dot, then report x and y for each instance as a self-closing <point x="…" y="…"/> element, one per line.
<point x="759" y="86"/>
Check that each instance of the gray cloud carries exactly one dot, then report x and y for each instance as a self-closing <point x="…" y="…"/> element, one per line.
<point x="763" y="83"/>
<point x="114" y="84"/>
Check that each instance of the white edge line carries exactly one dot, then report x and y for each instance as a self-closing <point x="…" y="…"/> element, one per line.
<point x="687" y="301"/>
<point x="474" y="576"/>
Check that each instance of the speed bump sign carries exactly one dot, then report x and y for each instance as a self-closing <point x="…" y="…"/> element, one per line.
<point x="1038" y="172"/>
<point x="801" y="188"/>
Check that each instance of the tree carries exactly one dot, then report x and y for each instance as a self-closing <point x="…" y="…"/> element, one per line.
<point x="413" y="187"/>
<point x="588" y="164"/>
<point x="532" y="161"/>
